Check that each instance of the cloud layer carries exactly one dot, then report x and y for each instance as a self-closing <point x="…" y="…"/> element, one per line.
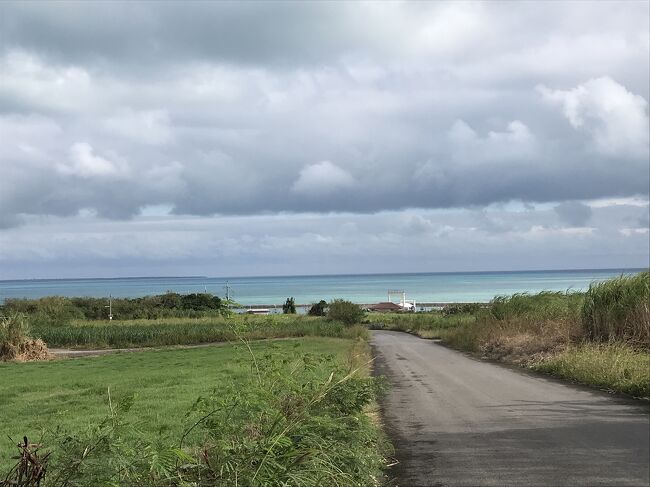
<point x="124" y="110"/>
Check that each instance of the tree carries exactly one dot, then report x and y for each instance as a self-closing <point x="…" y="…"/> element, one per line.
<point x="318" y="309"/>
<point x="289" y="307"/>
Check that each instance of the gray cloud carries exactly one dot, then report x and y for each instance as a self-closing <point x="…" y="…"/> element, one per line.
<point x="494" y="238"/>
<point x="574" y="213"/>
<point x="114" y="109"/>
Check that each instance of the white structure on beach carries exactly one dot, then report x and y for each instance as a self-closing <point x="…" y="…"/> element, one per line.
<point x="405" y="304"/>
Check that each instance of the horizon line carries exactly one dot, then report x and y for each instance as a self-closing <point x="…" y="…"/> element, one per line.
<point x="324" y="275"/>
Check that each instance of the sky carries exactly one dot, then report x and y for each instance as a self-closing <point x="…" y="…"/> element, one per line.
<point x="283" y="138"/>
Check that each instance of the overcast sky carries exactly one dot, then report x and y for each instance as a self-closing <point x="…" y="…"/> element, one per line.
<point x="223" y="139"/>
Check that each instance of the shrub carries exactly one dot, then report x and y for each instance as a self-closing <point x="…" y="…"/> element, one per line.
<point x="289" y="307"/>
<point x="318" y="309"/>
<point x="345" y="312"/>
<point x="618" y="309"/>
<point x="55" y="311"/>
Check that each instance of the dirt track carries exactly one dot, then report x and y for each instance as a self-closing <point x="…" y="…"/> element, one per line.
<point x="455" y="420"/>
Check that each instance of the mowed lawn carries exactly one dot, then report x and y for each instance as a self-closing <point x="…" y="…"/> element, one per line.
<point x="73" y="393"/>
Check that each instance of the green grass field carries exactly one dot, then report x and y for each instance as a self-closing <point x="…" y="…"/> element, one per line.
<point x="38" y="397"/>
<point x="95" y="334"/>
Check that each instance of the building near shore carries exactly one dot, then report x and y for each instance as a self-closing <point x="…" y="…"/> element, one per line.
<point x="384" y="307"/>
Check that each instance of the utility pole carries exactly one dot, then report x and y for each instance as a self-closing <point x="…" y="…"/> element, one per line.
<point x="227" y="288"/>
<point x="110" y="306"/>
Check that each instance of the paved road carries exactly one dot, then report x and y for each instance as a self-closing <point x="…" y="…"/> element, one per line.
<point x="460" y="421"/>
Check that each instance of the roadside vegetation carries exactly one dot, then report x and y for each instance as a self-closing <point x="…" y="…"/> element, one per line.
<point x="599" y="338"/>
<point x="284" y="413"/>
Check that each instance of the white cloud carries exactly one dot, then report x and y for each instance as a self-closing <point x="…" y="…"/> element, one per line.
<point x="321" y="179"/>
<point x="515" y="143"/>
<point x="86" y="164"/>
<point x="615" y="118"/>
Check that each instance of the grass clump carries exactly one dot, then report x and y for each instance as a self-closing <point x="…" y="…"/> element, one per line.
<point x="612" y="366"/>
<point x="619" y="309"/>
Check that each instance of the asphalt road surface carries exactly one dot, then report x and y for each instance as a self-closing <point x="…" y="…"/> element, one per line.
<point x="455" y="420"/>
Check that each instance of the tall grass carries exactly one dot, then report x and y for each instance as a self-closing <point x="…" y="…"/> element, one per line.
<point x="546" y="305"/>
<point x="619" y="309"/>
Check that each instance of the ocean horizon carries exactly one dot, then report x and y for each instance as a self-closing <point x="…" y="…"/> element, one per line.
<point x="424" y="287"/>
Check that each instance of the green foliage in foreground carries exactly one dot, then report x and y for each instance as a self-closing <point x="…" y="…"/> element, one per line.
<point x="613" y="366"/>
<point x="280" y="414"/>
<point x="177" y="331"/>
<point x="619" y="309"/>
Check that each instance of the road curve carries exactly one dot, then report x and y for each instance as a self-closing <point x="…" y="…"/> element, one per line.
<point x="455" y="420"/>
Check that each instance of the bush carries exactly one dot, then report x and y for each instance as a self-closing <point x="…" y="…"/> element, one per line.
<point x="55" y="311"/>
<point x="345" y="311"/>
<point x="619" y="309"/>
<point x="318" y="309"/>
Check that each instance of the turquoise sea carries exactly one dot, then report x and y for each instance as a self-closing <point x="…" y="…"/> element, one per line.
<point x="363" y="288"/>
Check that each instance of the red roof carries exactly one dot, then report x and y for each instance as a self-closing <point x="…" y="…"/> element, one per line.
<point x="387" y="306"/>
